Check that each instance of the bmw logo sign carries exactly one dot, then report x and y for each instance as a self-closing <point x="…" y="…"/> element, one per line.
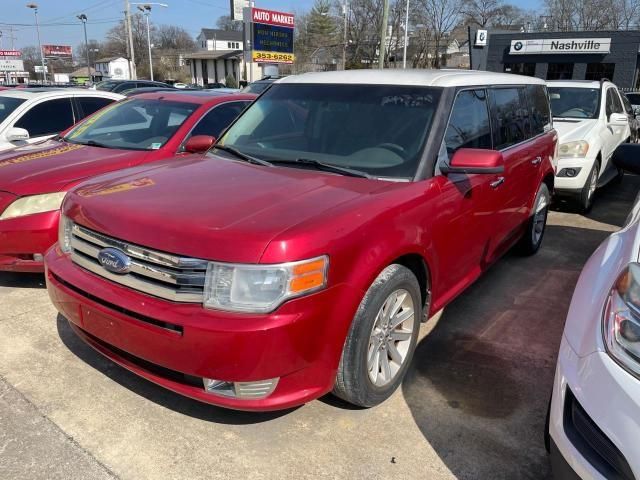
<point x="114" y="260"/>
<point x="518" y="46"/>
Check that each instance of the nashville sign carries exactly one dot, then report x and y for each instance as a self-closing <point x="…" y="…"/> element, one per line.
<point x="560" y="45"/>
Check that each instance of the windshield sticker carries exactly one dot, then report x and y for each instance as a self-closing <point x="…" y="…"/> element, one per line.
<point x="101" y="189"/>
<point x="35" y="156"/>
<point x="156" y="145"/>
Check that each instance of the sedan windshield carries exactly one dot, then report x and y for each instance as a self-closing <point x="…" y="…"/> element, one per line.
<point x="8" y="106"/>
<point x="138" y="124"/>
<point x="377" y="129"/>
<point x="570" y="102"/>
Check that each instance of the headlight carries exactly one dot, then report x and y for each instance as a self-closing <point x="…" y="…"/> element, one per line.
<point x="262" y="288"/>
<point x="622" y="320"/>
<point x="573" y="149"/>
<point x="64" y="234"/>
<point x="34" y="204"/>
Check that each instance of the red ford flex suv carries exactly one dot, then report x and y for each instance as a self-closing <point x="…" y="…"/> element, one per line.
<point x="301" y="254"/>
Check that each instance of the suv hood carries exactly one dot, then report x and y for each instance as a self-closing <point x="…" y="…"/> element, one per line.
<point x="209" y="207"/>
<point x="52" y="165"/>
<point x="574" y="129"/>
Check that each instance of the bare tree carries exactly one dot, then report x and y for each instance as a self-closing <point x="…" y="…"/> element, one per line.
<point x="173" y="38"/>
<point x="481" y="12"/>
<point x="441" y="17"/>
<point x="225" y="22"/>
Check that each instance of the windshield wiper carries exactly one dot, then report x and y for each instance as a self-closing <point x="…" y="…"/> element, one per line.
<point x="92" y="143"/>
<point x="243" y="156"/>
<point x="327" y="167"/>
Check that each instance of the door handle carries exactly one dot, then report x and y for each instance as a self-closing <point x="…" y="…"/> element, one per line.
<point x="496" y="183"/>
<point x="536" y="161"/>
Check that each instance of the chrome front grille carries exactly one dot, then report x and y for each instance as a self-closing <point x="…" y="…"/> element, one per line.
<point x="156" y="273"/>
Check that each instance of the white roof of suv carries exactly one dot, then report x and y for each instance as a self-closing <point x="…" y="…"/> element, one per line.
<point x="577" y="83"/>
<point x="430" y="78"/>
<point x="39" y="93"/>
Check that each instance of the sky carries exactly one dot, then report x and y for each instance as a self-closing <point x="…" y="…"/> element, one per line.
<point x="59" y="25"/>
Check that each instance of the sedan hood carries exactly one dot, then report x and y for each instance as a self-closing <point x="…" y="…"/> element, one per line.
<point x="574" y="129"/>
<point x="209" y="207"/>
<point x="51" y="166"/>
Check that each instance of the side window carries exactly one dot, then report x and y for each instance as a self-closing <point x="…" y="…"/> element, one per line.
<point x="539" y="105"/>
<point x="626" y="103"/>
<point x="613" y="102"/>
<point x="91" y="105"/>
<point x="219" y="118"/>
<point x="469" y="125"/>
<point x="509" y="116"/>
<point x="47" y="118"/>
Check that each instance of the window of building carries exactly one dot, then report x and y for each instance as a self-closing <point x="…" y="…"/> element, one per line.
<point x="510" y="114"/>
<point x="524" y="68"/>
<point x="598" y="71"/>
<point x="560" y="71"/>
<point x="469" y="125"/>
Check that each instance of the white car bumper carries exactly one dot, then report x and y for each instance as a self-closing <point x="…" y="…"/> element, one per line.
<point x="577" y="183"/>
<point x="600" y="435"/>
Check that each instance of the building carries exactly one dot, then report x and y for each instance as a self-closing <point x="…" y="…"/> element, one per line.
<point x="81" y="76"/>
<point x="220" y="54"/>
<point x="562" y="55"/>
<point x="112" y="68"/>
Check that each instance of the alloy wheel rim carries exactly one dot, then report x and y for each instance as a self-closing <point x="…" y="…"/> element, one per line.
<point x="390" y="338"/>
<point x="593" y="183"/>
<point x="539" y="219"/>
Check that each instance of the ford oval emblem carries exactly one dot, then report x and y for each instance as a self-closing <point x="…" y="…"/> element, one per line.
<point x="114" y="260"/>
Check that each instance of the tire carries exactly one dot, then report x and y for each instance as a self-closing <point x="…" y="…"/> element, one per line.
<point x="585" y="201"/>
<point x="354" y="382"/>
<point x="532" y="239"/>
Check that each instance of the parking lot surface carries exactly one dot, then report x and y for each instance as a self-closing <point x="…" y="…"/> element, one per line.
<point x="472" y="406"/>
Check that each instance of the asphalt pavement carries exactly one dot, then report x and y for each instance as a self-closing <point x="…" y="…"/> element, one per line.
<point x="472" y="407"/>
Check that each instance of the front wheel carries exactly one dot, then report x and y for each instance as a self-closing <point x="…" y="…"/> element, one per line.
<point x="381" y="340"/>
<point x="532" y="238"/>
<point x="589" y="190"/>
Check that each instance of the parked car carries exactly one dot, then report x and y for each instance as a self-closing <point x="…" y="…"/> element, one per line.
<point x="140" y="91"/>
<point x="634" y="123"/>
<point x="300" y="255"/>
<point x="120" y="86"/>
<point x="260" y="86"/>
<point x="147" y="128"/>
<point x="594" y="419"/>
<point x="33" y="115"/>
<point x="591" y="122"/>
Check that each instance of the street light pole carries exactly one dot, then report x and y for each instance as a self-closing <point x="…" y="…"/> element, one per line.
<point x="34" y="7"/>
<point x="145" y="8"/>
<point x="406" y="37"/>
<point x="83" y="19"/>
<point x="345" y="10"/>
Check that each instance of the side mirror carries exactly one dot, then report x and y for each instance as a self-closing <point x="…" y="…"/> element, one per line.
<point x="618" y="120"/>
<point x="199" y="143"/>
<point x="475" y="160"/>
<point x="627" y="157"/>
<point x="16" y="134"/>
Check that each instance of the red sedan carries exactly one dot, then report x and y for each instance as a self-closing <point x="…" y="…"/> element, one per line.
<point x="34" y="179"/>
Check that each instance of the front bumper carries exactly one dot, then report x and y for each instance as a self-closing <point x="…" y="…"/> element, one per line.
<point x="23" y="237"/>
<point x="609" y="397"/>
<point x="176" y="345"/>
<point x="573" y="185"/>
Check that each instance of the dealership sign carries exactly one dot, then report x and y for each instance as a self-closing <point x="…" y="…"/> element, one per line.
<point x="236" y="8"/>
<point x="271" y="36"/>
<point x="10" y="53"/>
<point x="560" y="45"/>
<point x="11" y="65"/>
<point x="57" y="50"/>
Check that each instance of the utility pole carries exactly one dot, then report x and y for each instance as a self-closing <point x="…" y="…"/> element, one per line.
<point x="345" y="11"/>
<point x="406" y="37"/>
<point x="83" y="19"/>
<point x="132" y="55"/>
<point x="383" y="33"/>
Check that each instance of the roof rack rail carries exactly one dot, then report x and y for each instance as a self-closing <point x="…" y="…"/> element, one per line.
<point x="604" y="79"/>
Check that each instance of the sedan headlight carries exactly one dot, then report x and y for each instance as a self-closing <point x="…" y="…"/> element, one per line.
<point x="262" y="288"/>
<point x="573" y="149"/>
<point x="33" y="204"/>
<point x="622" y="320"/>
<point x="64" y="234"/>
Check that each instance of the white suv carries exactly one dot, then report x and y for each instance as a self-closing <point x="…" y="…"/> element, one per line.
<point x="33" y="114"/>
<point x="591" y="122"/>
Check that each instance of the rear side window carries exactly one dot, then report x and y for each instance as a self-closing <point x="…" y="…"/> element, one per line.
<point x="539" y="105"/>
<point x="47" y="118"/>
<point x="469" y="125"/>
<point x="626" y="104"/>
<point x="219" y="118"/>
<point x="91" y="105"/>
<point x="510" y="117"/>
<point x="613" y="102"/>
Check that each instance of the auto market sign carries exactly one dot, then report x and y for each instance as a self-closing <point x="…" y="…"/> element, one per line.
<point x="272" y="36"/>
<point x="560" y="45"/>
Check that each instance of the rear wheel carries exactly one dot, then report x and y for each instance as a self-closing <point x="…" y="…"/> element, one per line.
<point x="381" y="340"/>
<point x="589" y="189"/>
<point x="532" y="238"/>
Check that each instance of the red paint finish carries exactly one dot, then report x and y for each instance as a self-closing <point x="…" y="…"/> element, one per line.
<point x="232" y="211"/>
<point x="54" y="166"/>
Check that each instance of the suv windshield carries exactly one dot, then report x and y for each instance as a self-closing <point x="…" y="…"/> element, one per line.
<point x="571" y="102"/>
<point x="8" y="105"/>
<point x="139" y="124"/>
<point x="377" y="129"/>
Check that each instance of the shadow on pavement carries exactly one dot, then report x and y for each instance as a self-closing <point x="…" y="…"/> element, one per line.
<point x="22" y="280"/>
<point x="480" y="381"/>
<point x="153" y="392"/>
